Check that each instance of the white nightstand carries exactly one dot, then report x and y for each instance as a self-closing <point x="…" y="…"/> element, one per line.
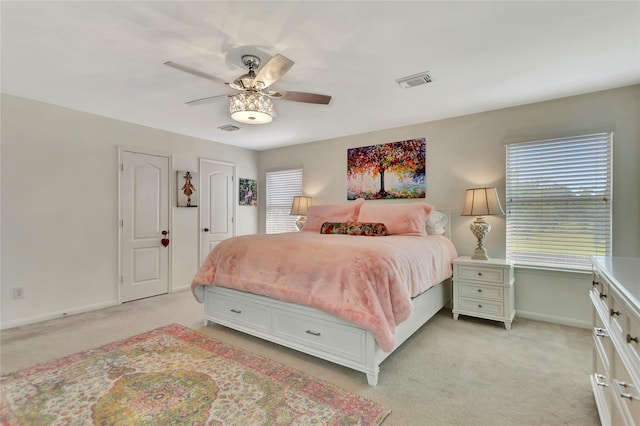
<point x="484" y="289"/>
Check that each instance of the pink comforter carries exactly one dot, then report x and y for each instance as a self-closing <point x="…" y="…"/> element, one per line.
<point x="368" y="281"/>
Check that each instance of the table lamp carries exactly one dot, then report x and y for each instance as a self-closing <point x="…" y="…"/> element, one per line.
<point x="481" y="202"/>
<point x="300" y="207"/>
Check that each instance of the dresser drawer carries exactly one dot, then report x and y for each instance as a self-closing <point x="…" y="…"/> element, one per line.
<point x="601" y="289"/>
<point x="239" y="312"/>
<point x="480" y="291"/>
<point x="626" y="392"/>
<point x="601" y="386"/>
<point x="633" y="339"/>
<point x="334" y="338"/>
<point x="602" y="350"/>
<point x="618" y="317"/>
<point x="604" y="398"/>
<point x="476" y="273"/>
<point x="481" y="307"/>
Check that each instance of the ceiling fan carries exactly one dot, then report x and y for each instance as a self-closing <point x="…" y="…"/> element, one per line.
<point x="253" y="104"/>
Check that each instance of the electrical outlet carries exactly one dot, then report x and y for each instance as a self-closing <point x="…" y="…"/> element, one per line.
<point x="18" y="293"/>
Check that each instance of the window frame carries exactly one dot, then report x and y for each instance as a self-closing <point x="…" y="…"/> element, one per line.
<point x="287" y="184"/>
<point x="568" y="194"/>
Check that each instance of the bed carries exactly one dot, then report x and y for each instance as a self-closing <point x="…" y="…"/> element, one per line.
<point x="350" y="288"/>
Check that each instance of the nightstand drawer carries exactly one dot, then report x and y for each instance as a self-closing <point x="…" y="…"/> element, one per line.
<point x="482" y="307"/>
<point x="473" y="273"/>
<point x="480" y="291"/>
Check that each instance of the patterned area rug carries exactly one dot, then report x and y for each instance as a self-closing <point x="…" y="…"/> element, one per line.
<point x="175" y="376"/>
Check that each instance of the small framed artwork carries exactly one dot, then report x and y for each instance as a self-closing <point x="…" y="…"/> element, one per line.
<point x="187" y="193"/>
<point x="248" y="192"/>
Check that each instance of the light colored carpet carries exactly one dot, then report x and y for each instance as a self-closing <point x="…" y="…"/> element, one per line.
<point x="465" y="372"/>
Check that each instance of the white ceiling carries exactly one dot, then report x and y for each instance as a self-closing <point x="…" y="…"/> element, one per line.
<point x="107" y="58"/>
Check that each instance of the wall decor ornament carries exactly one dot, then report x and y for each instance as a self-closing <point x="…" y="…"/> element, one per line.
<point x="247" y="192"/>
<point x="187" y="194"/>
<point x="386" y="171"/>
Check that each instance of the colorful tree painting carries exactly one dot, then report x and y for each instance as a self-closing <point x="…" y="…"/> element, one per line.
<point x="391" y="170"/>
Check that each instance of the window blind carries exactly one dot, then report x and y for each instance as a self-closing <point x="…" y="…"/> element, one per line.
<point x="558" y="198"/>
<point x="282" y="186"/>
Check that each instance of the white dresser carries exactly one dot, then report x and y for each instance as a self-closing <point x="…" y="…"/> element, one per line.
<point x="616" y="333"/>
<point x="484" y="289"/>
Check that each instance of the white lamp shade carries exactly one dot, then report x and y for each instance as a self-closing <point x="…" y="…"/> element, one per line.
<point x="482" y="202"/>
<point x="300" y="206"/>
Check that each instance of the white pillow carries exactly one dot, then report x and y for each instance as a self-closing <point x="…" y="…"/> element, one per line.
<point x="436" y="223"/>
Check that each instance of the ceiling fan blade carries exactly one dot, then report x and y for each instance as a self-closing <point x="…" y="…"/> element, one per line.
<point x="310" y="98"/>
<point x="194" y="72"/>
<point x="202" y="100"/>
<point x="271" y="72"/>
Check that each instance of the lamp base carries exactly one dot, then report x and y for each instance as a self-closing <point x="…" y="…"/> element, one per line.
<point x="480" y="254"/>
<point x="300" y="222"/>
<point x="480" y="229"/>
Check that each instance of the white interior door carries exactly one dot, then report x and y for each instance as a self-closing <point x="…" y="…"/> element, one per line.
<point x="144" y="210"/>
<point x="216" y="204"/>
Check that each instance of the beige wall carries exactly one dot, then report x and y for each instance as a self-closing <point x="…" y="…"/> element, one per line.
<point x="60" y="209"/>
<point x="468" y="151"/>
<point x="59" y="194"/>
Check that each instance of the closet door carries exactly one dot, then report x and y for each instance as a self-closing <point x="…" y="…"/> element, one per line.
<point x="144" y="222"/>
<point x="217" y="206"/>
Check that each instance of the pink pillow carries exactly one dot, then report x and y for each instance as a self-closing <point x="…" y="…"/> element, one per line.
<point x="320" y="214"/>
<point x="408" y="218"/>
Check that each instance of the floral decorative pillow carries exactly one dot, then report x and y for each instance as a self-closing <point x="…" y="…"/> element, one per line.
<point x="354" y="228"/>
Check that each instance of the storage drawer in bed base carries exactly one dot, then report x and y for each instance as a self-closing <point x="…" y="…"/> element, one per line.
<point x="312" y="331"/>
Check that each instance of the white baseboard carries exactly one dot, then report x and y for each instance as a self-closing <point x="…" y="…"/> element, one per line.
<point x="57" y="314"/>
<point x="572" y="322"/>
<point x="182" y="288"/>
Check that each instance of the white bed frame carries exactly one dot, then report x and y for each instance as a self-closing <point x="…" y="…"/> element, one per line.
<point x="315" y="332"/>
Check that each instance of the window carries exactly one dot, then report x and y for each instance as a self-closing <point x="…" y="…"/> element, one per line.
<point x="559" y="201"/>
<point x="282" y="186"/>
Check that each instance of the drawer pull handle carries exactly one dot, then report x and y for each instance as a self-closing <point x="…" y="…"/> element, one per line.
<point x="616" y="313"/>
<point x="603" y="296"/>
<point x="479" y="290"/>
<point x="631" y="339"/>
<point x="600" y="332"/>
<point x="599" y="383"/>
<point x="479" y="274"/>
<point x="314" y="333"/>
<point x="235" y="311"/>
<point x="595" y="283"/>
<point x="479" y="306"/>
<point x="623" y="394"/>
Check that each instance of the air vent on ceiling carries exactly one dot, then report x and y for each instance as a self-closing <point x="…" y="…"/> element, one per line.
<point x="414" y="80"/>
<point x="229" y="128"/>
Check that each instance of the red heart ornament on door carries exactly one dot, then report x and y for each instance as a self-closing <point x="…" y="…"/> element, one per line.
<point x="165" y="242"/>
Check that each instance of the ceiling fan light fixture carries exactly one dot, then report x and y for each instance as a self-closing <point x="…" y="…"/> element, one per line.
<point x="251" y="107"/>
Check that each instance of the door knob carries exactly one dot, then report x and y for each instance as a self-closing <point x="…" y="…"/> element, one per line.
<point x="206" y="229"/>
